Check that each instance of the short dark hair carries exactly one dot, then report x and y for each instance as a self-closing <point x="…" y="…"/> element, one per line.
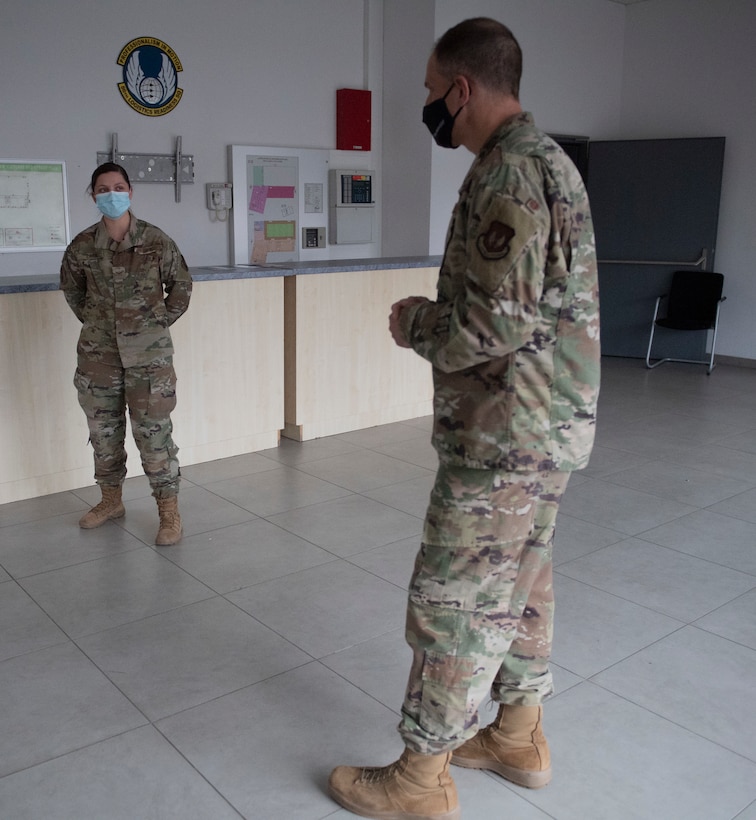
<point x="483" y="49"/>
<point x="107" y="168"/>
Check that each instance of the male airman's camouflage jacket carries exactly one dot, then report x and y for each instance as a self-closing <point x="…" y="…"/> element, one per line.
<point x="513" y="336"/>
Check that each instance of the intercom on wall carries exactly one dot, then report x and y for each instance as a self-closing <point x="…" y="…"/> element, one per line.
<point x="351" y="211"/>
<point x="219" y="199"/>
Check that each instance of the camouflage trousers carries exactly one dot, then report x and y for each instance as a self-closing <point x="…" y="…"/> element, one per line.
<point x="149" y="392"/>
<point x="481" y="602"/>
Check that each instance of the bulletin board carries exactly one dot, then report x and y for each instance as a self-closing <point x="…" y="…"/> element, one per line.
<point x="277" y="192"/>
<point x="33" y="206"/>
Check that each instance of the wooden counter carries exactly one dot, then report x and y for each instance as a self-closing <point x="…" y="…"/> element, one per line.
<point x="343" y="370"/>
<point x="303" y="349"/>
<point x="229" y="366"/>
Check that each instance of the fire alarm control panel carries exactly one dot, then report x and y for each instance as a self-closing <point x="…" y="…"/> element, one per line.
<point x="351" y="212"/>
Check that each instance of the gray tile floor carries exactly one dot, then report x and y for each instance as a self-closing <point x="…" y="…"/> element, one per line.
<point x="224" y="677"/>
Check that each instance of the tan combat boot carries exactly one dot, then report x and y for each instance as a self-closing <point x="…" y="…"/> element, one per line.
<point x="170" y="530"/>
<point x="415" y="787"/>
<point x="111" y="506"/>
<point x="512" y="746"/>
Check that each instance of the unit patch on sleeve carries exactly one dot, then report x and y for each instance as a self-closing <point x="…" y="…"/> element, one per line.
<point x="494" y="242"/>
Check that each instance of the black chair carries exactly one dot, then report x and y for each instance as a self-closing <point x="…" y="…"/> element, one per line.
<point x="693" y="304"/>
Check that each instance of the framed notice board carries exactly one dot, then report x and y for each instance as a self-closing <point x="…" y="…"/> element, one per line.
<point x="33" y="206"/>
<point x="277" y="192"/>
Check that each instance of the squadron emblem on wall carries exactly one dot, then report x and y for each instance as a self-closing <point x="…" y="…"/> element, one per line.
<point x="150" y="76"/>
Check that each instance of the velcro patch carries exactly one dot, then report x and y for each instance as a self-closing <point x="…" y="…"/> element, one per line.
<point x="494" y="242"/>
<point x="507" y="231"/>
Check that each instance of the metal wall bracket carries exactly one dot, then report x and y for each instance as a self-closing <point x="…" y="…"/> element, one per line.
<point x="177" y="168"/>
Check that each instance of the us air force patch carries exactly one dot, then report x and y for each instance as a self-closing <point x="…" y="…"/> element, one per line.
<point x="494" y="242"/>
<point x="150" y="69"/>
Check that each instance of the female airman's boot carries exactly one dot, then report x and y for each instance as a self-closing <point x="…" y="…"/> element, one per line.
<point x="111" y="506"/>
<point x="415" y="787"/>
<point x="512" y="746"/>
<point x="170" y="530"/>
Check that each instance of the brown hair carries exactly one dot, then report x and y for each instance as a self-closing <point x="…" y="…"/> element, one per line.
<point x="483" y="49"/>
<point x="106" y="168"/>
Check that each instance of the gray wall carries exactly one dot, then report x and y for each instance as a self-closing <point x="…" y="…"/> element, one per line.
<point x="688" y="72"/>
<point x="654" y="69"/>
<point x="255" y="72"/>
<point x="264" y="72"/>
<point x="408" y="37"/>
<point x="572" y="75"/>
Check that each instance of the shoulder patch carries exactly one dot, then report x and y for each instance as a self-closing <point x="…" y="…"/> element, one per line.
<point x="494" y="242"/>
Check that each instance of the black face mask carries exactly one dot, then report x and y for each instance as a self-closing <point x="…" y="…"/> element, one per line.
<point x="439" y="121"/>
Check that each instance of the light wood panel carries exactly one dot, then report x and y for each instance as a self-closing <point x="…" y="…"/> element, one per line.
<point x="229" y="363"/>
<point x="343" y="370"/>
<point x="229" y="367"/>
<point x="43" y="433"/>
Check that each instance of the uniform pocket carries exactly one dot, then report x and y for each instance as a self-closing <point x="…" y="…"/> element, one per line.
<point x="477" y="508"/>
<point x="162" y="398"/>
<point x="81" y="382"/>
<point x="83" y="385"/>
<point x="476" y="528"/>
<point x="445" y="702"/>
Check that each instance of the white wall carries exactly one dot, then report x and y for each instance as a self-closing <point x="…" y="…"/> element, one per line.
<point x="264" y="72"/>
<point x="408" y="37"/>
<point x="657" y="69"/>
<point x="256" y="72"/>
<point x="689" y="72"/>
<point x="571" y="83"/>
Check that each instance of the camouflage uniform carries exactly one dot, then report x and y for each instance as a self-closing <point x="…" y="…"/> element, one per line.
<point x="513" y="338"/>
<point x="126" y="295"/>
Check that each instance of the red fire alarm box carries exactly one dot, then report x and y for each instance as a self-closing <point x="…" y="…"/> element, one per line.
<point x="352" y="119"/>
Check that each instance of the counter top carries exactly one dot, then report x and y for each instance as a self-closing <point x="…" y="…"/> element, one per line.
<point x="32" y="283"/>
<point x="28" y="283"/>
<point x="345" y="265"/>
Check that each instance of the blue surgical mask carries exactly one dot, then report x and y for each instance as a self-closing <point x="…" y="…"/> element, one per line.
<point x="113" y="204"/>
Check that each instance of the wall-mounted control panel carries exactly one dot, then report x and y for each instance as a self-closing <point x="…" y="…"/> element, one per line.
<point x="351" y="211"/>
<point x="313" y="237"/>
<point x="356" y="189"/>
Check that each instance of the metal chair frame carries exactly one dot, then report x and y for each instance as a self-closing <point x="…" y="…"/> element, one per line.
<point x="713" y="326"/>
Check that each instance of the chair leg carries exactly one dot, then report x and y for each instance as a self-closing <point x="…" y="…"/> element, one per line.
<point x="651" y="337"/>
<point x="710" y="364"/>
<point x="714" y="341"/>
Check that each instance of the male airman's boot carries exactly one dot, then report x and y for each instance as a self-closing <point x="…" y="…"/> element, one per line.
<point x="170" y="530"/>
<point x="512" y="746"/>
<point x="415" y="787"/>
<point x="111" y="506"/>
